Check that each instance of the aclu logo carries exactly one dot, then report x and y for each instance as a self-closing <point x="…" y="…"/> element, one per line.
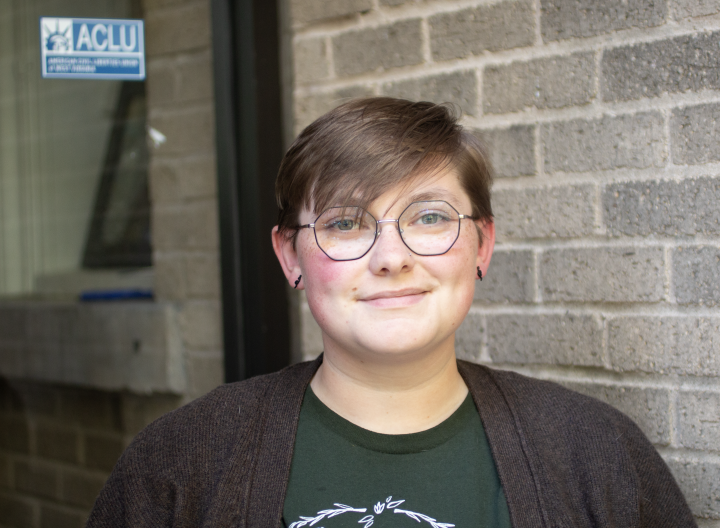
<point x="57" y="34"/>
<point x="68" y="35"/>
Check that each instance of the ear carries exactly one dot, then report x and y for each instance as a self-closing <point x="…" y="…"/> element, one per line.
<point x="486" y="246"/>
<point x="288" y="257"/>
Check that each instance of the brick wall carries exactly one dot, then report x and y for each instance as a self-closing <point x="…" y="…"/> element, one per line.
<point x="601" y="121"/>
<point x="58" y="443"/>
<point x="183" y="180"/>
<point x="58" y="446"/>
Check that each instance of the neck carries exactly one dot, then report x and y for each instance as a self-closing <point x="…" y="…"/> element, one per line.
<point x="396" y="395"/>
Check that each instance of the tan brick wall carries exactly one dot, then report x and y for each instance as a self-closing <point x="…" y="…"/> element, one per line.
<point x="58" y="446"/>
<point x="183" y="181"/>
<point x="601" y="120"/>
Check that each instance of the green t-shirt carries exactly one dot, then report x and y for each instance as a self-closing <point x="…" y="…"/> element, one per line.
<point x="343" y="475"/>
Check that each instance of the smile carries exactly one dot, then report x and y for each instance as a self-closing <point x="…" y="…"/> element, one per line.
<point x="395" y="299"/>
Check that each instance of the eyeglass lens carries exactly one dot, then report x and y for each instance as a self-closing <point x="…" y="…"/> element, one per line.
<point x="427" y="228"/>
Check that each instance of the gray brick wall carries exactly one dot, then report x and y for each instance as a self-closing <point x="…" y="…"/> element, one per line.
<point x="59" y="444"/>
<point x="600" y="118"/>
<point x="182" y="177"/>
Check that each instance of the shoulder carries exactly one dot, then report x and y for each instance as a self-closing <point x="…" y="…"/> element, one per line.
<point x="575" y="447"/>
<point x="225" y="414"/>
<point x="546" y="401"/>
<point x="173" y="471"/>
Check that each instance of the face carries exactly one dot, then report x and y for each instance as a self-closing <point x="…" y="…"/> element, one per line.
<point x="392" y="302"/>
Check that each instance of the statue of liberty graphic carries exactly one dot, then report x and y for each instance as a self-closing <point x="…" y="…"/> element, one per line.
<point x="59" y="39"/>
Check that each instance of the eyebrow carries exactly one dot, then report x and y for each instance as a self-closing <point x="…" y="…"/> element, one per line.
<point x="432" y="194"/>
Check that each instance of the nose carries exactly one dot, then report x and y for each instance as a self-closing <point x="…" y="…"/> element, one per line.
<point x="390" y="255"/>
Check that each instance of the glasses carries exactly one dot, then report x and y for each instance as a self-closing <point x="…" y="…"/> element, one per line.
<point x="427" y="228"/>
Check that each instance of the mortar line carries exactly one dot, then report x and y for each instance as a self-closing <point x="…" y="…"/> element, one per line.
<point x="537" y="294"/>
<point x="538" y="21"/>
<point x="605" y="341"/>
<point x="666" y="130"/>
<point x="673" y="418"/>
<point x="425" y="35"/>
<point x="669" y="290"/>
<point x="539" y="158"/>
<point x="330" y="54"/>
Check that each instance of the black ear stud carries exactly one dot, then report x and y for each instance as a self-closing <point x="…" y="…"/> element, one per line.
<point x="300" y="277"/>
<point x="479" y="273"/>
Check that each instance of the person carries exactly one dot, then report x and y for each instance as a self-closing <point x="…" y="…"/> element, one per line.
<point x="386" y="224"/>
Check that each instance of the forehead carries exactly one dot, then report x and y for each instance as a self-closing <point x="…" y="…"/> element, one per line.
<point x="441" y="185"/>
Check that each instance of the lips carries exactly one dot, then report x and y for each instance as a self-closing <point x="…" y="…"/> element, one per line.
<point x="395" y="298"/>
<point x="392" y="294"/>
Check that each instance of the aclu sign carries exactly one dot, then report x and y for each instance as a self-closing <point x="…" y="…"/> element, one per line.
<point x="92" y="48"/>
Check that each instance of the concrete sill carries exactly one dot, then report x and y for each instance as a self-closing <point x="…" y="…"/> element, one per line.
<point x="132" y="346"/>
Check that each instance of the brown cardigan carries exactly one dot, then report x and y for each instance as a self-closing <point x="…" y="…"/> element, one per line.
<point x="564" y="460"/>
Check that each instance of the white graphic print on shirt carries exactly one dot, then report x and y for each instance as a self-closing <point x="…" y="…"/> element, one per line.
<point x="369" y="520"/>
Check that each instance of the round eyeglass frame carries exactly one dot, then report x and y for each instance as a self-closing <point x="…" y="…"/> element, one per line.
<point x="387" y="221"/>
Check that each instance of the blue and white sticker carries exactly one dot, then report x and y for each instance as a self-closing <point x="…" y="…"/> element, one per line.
<point x="92" y="48"/>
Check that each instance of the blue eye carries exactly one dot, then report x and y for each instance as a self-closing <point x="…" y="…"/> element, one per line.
<point x="428" y="219"/>
<point x="344" y="224"/>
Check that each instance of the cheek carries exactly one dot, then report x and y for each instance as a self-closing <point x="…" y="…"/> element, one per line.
<point x="319" y="270"/>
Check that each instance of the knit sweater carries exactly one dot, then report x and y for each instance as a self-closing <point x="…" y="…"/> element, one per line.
<point x="564" y="460"/>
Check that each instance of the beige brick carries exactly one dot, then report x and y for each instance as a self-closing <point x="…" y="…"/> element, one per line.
<point x="510" y="278"/>
<point x="170" y="277"/>
<point x="203" y="275"/>
<point x="56" y="517"/>
<point x="310" y="107"/>
<point x="459" y="87"/>
<point x="14" y="434"/>
<point x="471" y="31"/>
<point x="663" y="345"/>
<point x="201" y="325"/>
<point x="310" y="60"/>
<point x="562" y="212"/>
<point x="38" y="480"/>
<point x="164" y="186"/>
<point x="380" y="48"/>
<point x="306" y="11"/>
<point x="604" y="274"/>
<point x="197" y="177"/>
<point x="5" y="474"/>
<point x="57" y="442"/>
<point x="519" y="85"/>
<point x="699" y="420"/>
<point x="205" y="373"/>
<point x="160" y="82"/>
<point x="174" y="182"/>
<point x="469" y="337"/>
<point x="611" y="142"/>
<point x="179" y="29"/>
<point x="188" y="131"/>
<point x="194" y="78"/>
<point x="91" y="408"/>
<point x="16" y="513"/>
<point x="567" y="339"/>
<point x="512" y="150"/>
<point x="700" y="483"/>
<point x="191" y="227"/>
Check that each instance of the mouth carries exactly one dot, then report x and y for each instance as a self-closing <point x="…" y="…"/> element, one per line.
<point x="395" y="298"/>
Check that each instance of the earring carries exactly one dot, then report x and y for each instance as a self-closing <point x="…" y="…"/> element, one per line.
<point x="479" y="274"/>
<point x="300" y="277"/>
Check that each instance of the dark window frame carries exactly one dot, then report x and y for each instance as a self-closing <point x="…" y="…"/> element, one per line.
<point x="249" y="142"/>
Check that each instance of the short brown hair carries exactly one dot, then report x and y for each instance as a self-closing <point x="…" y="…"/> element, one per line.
<point x="363" y="148"/>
